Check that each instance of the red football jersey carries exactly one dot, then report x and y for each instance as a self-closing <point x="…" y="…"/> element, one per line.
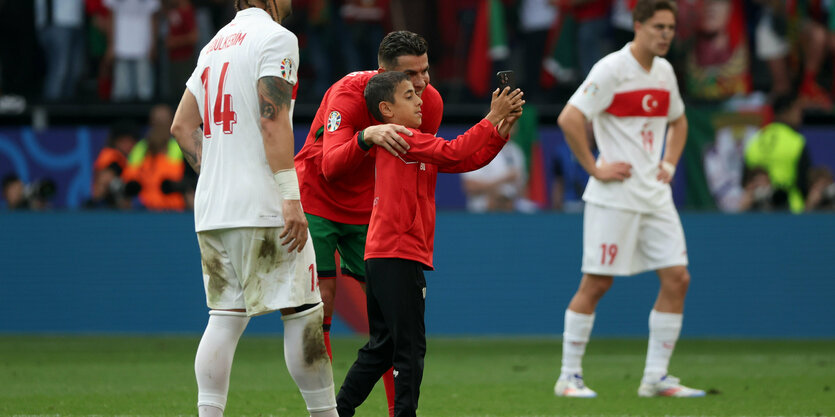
<point x="403" y="218"/>
<point x="336" y="176"/>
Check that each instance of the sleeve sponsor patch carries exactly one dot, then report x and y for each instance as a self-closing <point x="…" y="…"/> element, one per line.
<point x="334" y="120"/>
<point x="286" y="68"/>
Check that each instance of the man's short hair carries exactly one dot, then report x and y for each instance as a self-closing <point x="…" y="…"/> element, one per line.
<point x="381" y="88"/>
<point x="400" y="43"/>
<point x="645" y="9"/>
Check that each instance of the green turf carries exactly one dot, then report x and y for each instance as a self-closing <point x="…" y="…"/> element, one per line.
<point x="153" y="376"/>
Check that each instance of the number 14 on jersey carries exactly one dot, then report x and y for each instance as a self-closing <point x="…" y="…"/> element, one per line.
<point x="223" y="113"/>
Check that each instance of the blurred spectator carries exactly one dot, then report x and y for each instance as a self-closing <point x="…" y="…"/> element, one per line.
<point x="13" y="189"/>
<point x="816" y="42"/>
<point x="108" y="190"/>
<point x="780" y="150"/>
<point x="821" y="190"/>
<point x="34" y="196"/>
<point x="717" y="60"/>
<point x="623" y="30"/>
<point x="758" y="194"/>
<point x="60" y="28"/>
<point x="593" y="30"/>
<point x="500" y="185"/>
<point x="321" y="24"/>
<point x="724" y="160"/>
<point x="772" y="44"/>
<point x="155" y="165"/>
<point x="180" y="43"/>
<point x="536" y="17"/>
<point x="364" y="23"/>
<point x="133" y="48"/>
<point x="21" y="60"/>
<point x="570" y="178"/>
<point x="99" y="41"/>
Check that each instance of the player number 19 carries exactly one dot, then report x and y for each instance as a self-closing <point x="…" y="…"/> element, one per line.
<point x="611" y="250"/>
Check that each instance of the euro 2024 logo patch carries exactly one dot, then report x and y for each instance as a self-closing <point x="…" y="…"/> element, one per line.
<point x="286" y="68"/>
<point x="334" y="119"/>
<point x="591" y="89"/>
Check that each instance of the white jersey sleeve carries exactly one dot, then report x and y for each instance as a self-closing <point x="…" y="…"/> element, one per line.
<point x="280" y="57"/>
<point x="676" y="103"/>
<point x="596" y="92"/>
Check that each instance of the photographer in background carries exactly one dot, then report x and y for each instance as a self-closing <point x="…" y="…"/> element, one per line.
<point x="821" y="195"/>
<point x="108" y="190"/>
<point x="155" y="165"/>
<point x="19" y="196"/>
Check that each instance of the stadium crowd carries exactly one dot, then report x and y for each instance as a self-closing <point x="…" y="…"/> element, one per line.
<point x="740" y="54"/>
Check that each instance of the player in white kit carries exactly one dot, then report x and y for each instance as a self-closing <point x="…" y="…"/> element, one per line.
<point x="254" y="243"/>
<point x="630" y="224"/>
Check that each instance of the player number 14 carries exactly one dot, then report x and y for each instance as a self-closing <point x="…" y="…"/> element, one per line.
<point x="223" y="114"/>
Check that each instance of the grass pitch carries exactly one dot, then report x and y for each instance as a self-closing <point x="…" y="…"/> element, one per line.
<point x="153" y="376"/>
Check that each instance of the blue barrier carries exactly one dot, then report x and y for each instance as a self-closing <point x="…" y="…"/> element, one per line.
<point x="766" y="275"/>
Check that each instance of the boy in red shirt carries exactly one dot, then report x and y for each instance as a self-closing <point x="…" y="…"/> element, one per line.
<point x="401" y="233"/>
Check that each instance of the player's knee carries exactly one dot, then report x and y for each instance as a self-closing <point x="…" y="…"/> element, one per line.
<point x="595" y="287"/>
<point x="677" y="280"/>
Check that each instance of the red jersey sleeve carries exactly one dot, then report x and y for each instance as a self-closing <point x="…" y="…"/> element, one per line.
<point x="481" y="157"/>
<point x="447" y="154"/>
<point x="345" y="115"/>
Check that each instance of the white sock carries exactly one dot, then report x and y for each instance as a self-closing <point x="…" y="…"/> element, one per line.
<point x="308" y="361"/>
<point x="213" y="362"/>
<point x="574" y="339"/>
<point x="209" y="411"/>
<point x="664" y="329"/>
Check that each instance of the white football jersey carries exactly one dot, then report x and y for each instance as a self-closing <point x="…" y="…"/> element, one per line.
<point x="236" y="186"/>
<point x="630" y="109"/>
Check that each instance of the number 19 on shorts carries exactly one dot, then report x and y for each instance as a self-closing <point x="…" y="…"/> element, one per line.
<point x="609" y="252"/>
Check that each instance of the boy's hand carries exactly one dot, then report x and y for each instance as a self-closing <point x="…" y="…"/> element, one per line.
<point x="504" y="103"/>
<point x="506" y="125"/>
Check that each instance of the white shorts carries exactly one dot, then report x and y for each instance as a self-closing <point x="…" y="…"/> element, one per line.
<point x="622" y="242"/>
<point x="248" y="268"/>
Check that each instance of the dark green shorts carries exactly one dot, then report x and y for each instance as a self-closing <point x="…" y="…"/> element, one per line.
<point x="348" y="239"/>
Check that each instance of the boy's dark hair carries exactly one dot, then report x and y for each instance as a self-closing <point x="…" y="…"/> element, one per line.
<point x="399" y="43"/>
<point x="645" y="9"/>
<point x="381" y="88"/>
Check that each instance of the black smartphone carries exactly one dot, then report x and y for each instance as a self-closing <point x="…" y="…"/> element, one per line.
<point x="506" y="79"/>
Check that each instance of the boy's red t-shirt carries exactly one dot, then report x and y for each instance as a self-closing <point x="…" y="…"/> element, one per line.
<point x="403" y="215"/>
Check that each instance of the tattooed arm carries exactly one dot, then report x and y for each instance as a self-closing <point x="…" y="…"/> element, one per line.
<point x="274" y="98"/>
<point x="186" y="129"/>
<point x="274" y="95"/>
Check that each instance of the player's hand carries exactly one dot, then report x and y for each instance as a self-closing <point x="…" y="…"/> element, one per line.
<point x="503" y="103"/>
<point x="615" y="171"/>
<point x="294" y="235"/>
<point x="666" y="171"/>
<point x="387" y="137"/>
